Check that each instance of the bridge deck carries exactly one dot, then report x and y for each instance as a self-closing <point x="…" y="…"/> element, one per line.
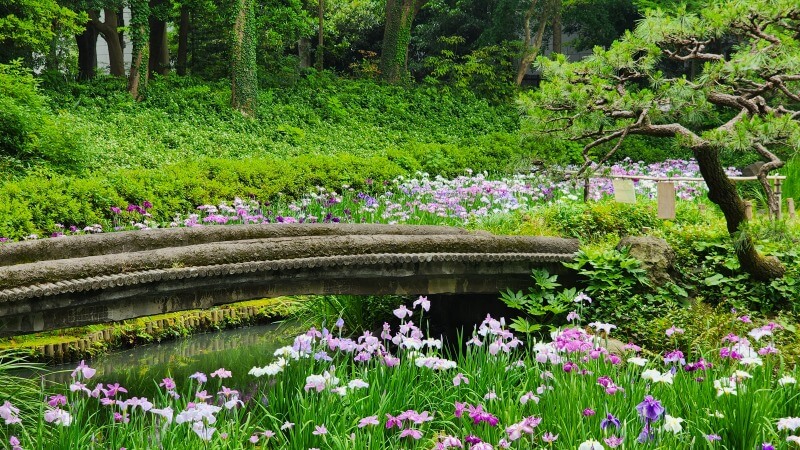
<point x="96" y="278"/>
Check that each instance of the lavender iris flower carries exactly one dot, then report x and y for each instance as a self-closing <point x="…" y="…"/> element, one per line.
<point x="650" y="409"/>
<point x="608" y="421"/>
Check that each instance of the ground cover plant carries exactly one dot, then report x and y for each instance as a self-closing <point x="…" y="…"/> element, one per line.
<point x="421" y="199"/>
<point x="402" y="389"/>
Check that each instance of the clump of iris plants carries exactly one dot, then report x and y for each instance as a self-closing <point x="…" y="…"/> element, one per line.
<point x="401" y="388"/>
<point x="422" y="199"/>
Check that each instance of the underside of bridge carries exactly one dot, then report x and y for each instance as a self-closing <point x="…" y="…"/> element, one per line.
<point x="74" y="281"/>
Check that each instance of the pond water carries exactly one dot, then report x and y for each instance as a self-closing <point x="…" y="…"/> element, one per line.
<point x="141" y="369"/>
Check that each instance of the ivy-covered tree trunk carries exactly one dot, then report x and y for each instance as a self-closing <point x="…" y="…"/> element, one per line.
<point x="87" y="52"/>
<point x="183" y="41"/>
<point x="140" y="24"/>
<point x="109" y="28"/>
<point x="134" y="78"/>
<point x="396" y="37"/>
<point x="244" y="85"/>
<point x="723" y="193"/>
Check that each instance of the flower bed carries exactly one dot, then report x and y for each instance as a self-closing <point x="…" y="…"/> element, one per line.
<point x="402" y="389"/>
<point x="423" y="200"/>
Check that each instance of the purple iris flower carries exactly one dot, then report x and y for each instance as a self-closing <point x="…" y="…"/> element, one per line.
<point x="646" y="435"/>
<point x="650" y="409"/>
<point x="608" y="421"/>
<point x="471" y="439"/>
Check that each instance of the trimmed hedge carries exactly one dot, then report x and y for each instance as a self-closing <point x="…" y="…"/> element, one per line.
<point x="35" y="204"/>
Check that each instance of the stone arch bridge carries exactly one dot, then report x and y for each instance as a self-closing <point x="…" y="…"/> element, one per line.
<point x="77" y="280"/>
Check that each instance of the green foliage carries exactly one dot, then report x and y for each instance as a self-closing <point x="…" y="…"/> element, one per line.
<point x="495" y="153"/>
<point x="358" y="312"/>
<point x="651" y="150"/>
<point x="34" y="204"/>
<point x="551" y="150"/>
<point x="791" y="187"/>
<point x="630" y="88"/>
<point x="598" y="22"/>
<point x="30" y="26"/>
<point x="595" y="220"/>
<point x="183" y="119"/>
<point x="620" y="292"/>
<point x="486" y="70"/>
<point x="705" y="326"/>
<point x="542" y="302"/>
<point x="709" y="268"/>
<point x="610" y="273"/>
<point x="30" y="132"/>
<point x="477" y="25"/>
<point x="618" y="286"/>
<point x="23" y="392"/>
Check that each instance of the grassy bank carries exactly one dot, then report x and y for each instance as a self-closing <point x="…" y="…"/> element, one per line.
<point x="74" y="344"/>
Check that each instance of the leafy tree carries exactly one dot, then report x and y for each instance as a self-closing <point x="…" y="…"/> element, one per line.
<point x="28" y="26"/>
<point x="746" y="97"/>
<point x="538" y="14"/>
<point x="598" y="22"/>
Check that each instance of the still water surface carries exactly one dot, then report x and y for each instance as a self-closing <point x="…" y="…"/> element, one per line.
<point x="141" y="369"/>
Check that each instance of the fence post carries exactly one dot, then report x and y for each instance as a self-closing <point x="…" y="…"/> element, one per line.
<point x="790" y="207"/>
<point x="748" y="210"/>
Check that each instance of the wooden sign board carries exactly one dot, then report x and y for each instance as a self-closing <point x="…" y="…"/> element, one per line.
<point x="623" y="191"/>
<point x="666" y="200"/>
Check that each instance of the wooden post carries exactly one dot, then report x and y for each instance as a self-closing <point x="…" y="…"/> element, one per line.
<point x="748" y="210"/>
<point x="666" y="200"/>
<point x="778" y="194"/>
<point x="790" y="208"/>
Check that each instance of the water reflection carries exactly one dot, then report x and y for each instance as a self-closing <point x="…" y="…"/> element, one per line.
<point x="141" y="369"/>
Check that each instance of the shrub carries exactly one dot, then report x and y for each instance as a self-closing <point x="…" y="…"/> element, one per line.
<point x="29" y="131"/>
<point x="710" y="270"/>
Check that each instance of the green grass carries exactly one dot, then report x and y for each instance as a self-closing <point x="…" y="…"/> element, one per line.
<point x="791" y="188"/>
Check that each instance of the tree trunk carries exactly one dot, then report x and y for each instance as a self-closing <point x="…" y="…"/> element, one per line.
<point x="396" y="37"/>
<point x="183" y="41"/>
<point x="134" y="78"/>
<point x="51" y="61"/>
<point x="244" y="85"/>
<point x="557" y="28"/>
<point x="158" y="59"/>
<point x="87" y="52"/>
<point x="531" y="45"/>
<point x="723" y="193"/>
<point x="304" y="52"/>
<point x="109" y="30"/>
<point x="320" y="35"/>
